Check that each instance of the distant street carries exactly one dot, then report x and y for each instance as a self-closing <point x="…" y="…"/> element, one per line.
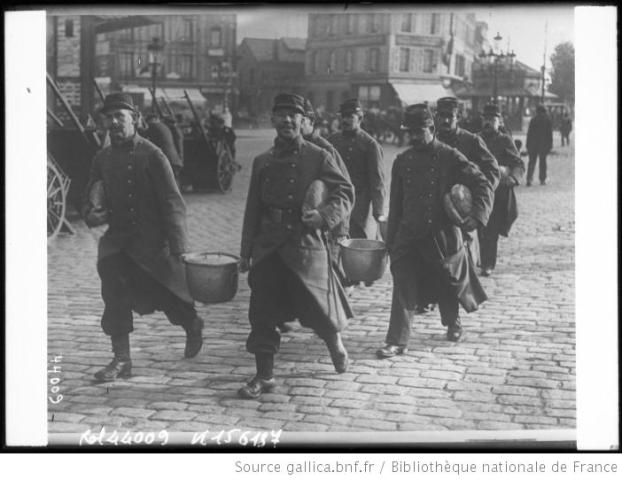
<point x="513" y="370"/>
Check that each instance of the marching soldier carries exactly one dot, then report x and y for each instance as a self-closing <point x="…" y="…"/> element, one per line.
<point x="161" y="136"/>
<point x="139" y="256"/>
<point x="471" y="146"/>
<point x="504" y="211"/>
<point x="290" y="275"/>
<point x="363" y="157"/>
<point x="428" y="261"/>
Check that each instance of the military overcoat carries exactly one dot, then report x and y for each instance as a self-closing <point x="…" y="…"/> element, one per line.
<point x="146" y="212"/>
<point x="272" y="221"/>
<point x="419" y="179"/>
<point x="505" y="208"/>
<point x="363" y="157"/>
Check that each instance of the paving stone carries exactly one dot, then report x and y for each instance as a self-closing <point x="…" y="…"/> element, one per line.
<point x="174" y="415"/>
<point x="133" y="412"/>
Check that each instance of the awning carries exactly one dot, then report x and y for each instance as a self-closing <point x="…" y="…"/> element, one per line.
<point x="145" y="91"/>
<point x="177" y="95"/>
<point x="411" y="93"/>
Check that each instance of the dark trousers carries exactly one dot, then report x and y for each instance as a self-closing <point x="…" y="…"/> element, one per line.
<point x="126" y="287"/>
<point x="533" y="158"/>
<point x="406" y="293"/>
<point x="488" y="241"/>
<point x="565" y="138"/>
<point x="278" y="295"/>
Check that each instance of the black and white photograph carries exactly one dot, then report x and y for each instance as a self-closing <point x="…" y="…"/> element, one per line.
<point x="311" y="225"/>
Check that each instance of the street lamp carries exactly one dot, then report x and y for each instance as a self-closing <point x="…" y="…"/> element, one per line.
<point x="154" y="49"/>
<point x="494" y="57"/>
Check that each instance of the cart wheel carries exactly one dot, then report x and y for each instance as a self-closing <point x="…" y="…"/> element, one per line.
<point x="57" y="199"/>
<point x="225" y="170"/>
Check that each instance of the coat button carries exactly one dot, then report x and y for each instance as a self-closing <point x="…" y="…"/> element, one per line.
<point x="293" y="165"/>
<point x="291" y="180"/>
<point x="290" y="197"/>
<point x="129" y="167"/>
<point x="288" y="226"/>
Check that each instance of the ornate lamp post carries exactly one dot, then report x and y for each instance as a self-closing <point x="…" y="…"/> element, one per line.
<point x="494" y="57"/>
<point x="154" y="49"/>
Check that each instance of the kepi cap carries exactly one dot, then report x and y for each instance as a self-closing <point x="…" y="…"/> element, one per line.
<point x="417" y="116"/>
<point x="491" y="110"/>
<point x="118" y="100"/>
<point x="447" y="104"/>
<point x="289" y="100"/>
<point x="351" y="105"/>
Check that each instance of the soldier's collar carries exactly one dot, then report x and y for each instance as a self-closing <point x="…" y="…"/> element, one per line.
<point x="282" y="146"/>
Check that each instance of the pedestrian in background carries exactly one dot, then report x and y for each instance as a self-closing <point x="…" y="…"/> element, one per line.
<point x="363" y="157"/>
<point x="565" y="129"/>
<point x="539" y="144"/>
<point x="429" y="263"/>
<point x="505" y="209"/>
<point x="161" y="136"/>
<point x="290" y="275"/>
<point x="132" y="188"/>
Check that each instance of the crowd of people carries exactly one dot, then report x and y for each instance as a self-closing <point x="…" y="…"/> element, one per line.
<point x="308" y="192"/>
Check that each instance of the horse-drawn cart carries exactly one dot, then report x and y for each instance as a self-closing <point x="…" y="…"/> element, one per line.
<point x="208" y="163"/>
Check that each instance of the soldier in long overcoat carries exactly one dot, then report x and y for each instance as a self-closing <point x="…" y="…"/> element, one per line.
<point x="139" y="256"/>
<point x="429" y="261"/>
<point x="539" y="144"/>
<point x="471" y="146"/>
<point x="363" y="157"/>
<point x="162" y="137"/>
<point x="290" y="275"/>
<point x="505" y="209"/>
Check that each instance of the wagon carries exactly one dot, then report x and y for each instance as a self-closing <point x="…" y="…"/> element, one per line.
<point x="209" y="164"/>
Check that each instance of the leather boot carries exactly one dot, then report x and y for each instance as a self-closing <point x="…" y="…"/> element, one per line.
<point x="264" y="381"/>
<point x="194" y="337"/>
<point x="121" y="365"/>
<point x="454" y="331"/>
<point x="338" y="353"/>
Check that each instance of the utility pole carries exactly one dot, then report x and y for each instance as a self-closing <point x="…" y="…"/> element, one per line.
<point x="546" y="25"/>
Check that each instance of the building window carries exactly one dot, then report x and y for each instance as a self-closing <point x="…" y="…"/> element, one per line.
<point x="126" y="64"/>
<point x="351" y="24"/>
<point x="429" y="61"/>
<point x="349" y="60"/>
<point x="404" y="59"/>
<point x="407" y="22"/>
<point x="373" y="22"/>
<point x="332" y="62"/>
<point x="373" y="59"/>
<point x="435" y="23"/>
<point x="186" y="31"/>
<point x="345" y="95"/>
<point x="185" y="66"/>
<point x="215" y="38"/>
<point x="369" y="93"/>
<point x="126" y="34"/>
<point x="459" y="68"/>
<point x="69" y="28"/>
<point x="333" y="25"/>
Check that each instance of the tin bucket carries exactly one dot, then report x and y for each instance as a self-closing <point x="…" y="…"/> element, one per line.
<point x="212" y="277"/>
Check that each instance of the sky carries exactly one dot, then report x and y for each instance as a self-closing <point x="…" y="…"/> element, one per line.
<point x="523" y="25"/>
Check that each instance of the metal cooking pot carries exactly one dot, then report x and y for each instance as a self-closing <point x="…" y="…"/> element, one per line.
<point x="212" y="276"/>
<point x="363" y="260"/>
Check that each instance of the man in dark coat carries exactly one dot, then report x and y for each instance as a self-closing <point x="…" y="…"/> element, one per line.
<point x="565" y="128"/>
<point x="139" y="256"/>
<point x="364" y="158"/>
<point x="429" y="262"/>
<point x="290" y="273"/>
<point x="160" y="135"/>
<point x="505" y="210"/>
<point x="539" y="143"/>
<point x="219" y="131"/>
<point x="178" y="135"/>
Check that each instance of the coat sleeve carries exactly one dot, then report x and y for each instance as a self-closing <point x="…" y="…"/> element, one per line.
<point x="341" y="197"/>
<point x="395" y="204"/>
<point x="375" y="167"/>
<point x="469" y="174"/>
<point x="252" y="213"/>
<point x="486" y="162"/>
<point x="94" y="176"/>
<point x="170" y="202"/>
<point x="511" y="158"/>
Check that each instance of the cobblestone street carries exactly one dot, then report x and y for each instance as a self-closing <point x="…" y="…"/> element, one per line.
<point x="513" y="370"/>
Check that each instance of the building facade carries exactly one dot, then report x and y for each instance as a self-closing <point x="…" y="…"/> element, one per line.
<point x="198" y="54"/>
<point x="387" y="58"/>
<point x="267" y="67"/>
